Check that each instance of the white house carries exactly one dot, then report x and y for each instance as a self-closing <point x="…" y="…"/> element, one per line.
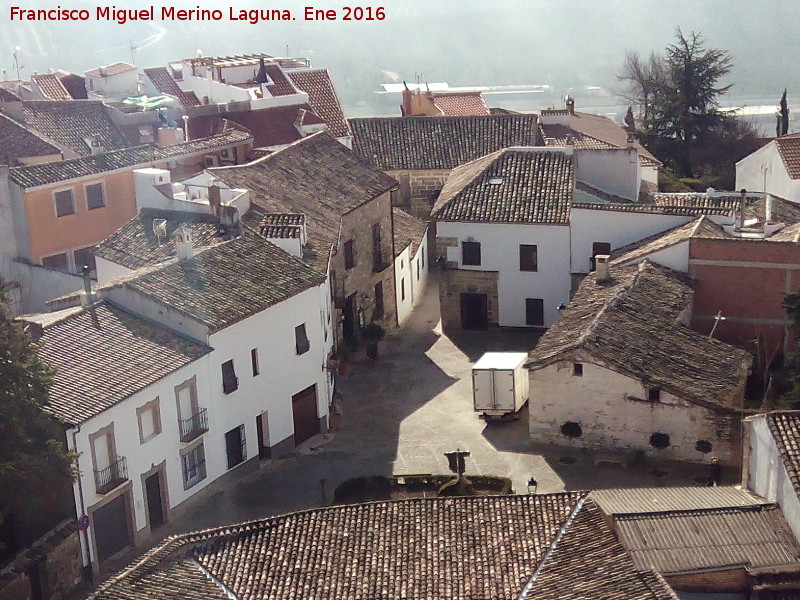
<point x="113" y="82"/>
<point x="410" y="262"/>
<point x="773" y="169"/>
<point x="771" y="464"/>
<point x="259" y="321"/>
<point x="502" y="226"/>
<point x="621" y="369"/>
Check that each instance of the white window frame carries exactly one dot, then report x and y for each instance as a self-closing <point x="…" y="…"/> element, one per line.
<point x="154" y="406"/>
<point x="201" y="471"/>
<point x="102" y="185"/>
<point x="70" y="189"/>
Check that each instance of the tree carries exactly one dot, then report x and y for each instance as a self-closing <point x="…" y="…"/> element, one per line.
<point x="782" y="128"/>
<point x="35" y="467"/>
<point x="630" y="122"/>
<point x="642" y="79"/>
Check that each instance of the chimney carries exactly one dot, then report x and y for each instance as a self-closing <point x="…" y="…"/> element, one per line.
<point x="215" y="198"/>
<point x="742" y="207"/>
<point x="184" y="249"/>
<point x="570" y="105"/>
<point x="569" y="145"/>
<point x="602" y="268"/>
<point x="768" y="209"/>
<point x="405" y="107"/>
<point x="96" y="145"/>
<point x="87" y="297"/>
<point x="630" y="139"/>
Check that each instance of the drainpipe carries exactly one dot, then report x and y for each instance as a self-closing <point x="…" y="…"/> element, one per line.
<point x="86" y="559"/>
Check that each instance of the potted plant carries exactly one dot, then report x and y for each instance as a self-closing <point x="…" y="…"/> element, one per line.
<point x="372" y="334"/>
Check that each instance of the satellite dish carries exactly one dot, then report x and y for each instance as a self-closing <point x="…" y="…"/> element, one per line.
<point x="160" y="229"/>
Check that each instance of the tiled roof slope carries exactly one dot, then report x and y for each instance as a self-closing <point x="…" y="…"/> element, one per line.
<point x="275" y="126"/>
<point x="440" y="143"/>
<point x="655" y="209"/>
<point x="408" y="231"/>
<point x="556" y="135"/>
<point x="8" y="95"/>
<point x="69" y="123"/>
<point x="460" y="104"/>
<point x="112" y="69"/>
<point x="280" y="85"/>
<point x="165" y="84"/>
<point x="629" y="323"/>
<point x="224" y="283"/>
<point x="680" y="541"/>
<point x="316" y="176"/>
<point x="134" y="245"/>
<point x="783" y="211"/>
<point x="55" y="172"/>
<point x="785" y="428"/>
<point x="17" y="142"/>
<point x="322" y="97"/>
<point x="666" y="499"/>
<point x="729" y="201"/>
<point x="702" y="227"/>
<point x="51" y="86"/>
<point x="515" y="185"/>
<point x="789" y="149"/>
<point x="102" y="355"/>
<point x="422" y="549"/>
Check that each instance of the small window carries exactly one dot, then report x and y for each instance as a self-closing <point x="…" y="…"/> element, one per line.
<point x="423" y="255"/>
<point x="65" y="202"/>
<point x="85" y="257"/>
<point x="95" y="196"/>
<point x="471" y="253"/>
<point x="193" y="465"/>
<point x="599" y="249"/>
<point x="149" y="417"/>
<point x="349" y="254"/>
<point x="654" y="394"/>
<point x="577" y="369"/>
<point x="534" y="312"/>
<point x="418" y="269"/>
<point x="377" y="255"/>
<point x="56" y="261"/>
<point x="254" y="361"/>
<point x="528" y="259"/>
<point x="659" y="441"/>
<point x="302" y="345"/>
<point x="402" y="288"/>
<point x="230" y="383"/>
<point x="235" y="446"/>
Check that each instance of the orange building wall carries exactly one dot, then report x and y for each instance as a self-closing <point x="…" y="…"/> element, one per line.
<point x="49" y="234"/>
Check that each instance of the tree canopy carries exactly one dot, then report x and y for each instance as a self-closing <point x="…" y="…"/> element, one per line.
<point x="35" y="467"/>
<point x="677" y="95"/>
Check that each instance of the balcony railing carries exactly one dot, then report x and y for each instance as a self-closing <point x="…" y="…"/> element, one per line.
<point x="110" y="477"/>
<point x="194" y="425"/>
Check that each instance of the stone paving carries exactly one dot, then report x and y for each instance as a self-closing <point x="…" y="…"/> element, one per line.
<point x="401" y="413"/>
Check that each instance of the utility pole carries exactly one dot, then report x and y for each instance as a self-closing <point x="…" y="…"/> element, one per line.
<point x="18" y="67"/>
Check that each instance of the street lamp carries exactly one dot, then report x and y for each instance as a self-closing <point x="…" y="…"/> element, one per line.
<point x="532" y="485"/>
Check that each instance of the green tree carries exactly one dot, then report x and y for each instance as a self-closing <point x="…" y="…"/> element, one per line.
<point x="35" y="467"/>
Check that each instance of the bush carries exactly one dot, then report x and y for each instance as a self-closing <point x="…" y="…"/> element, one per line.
<point x="659" y="441"/>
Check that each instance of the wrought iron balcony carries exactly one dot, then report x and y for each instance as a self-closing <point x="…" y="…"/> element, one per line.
<point x="194" y="425"/>
<point x="110" y="477"/>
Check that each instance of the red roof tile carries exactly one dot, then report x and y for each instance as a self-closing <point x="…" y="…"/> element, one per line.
<point x="51" y="87"/>
<point x="789" y="149"/>
<point x="280" y="85"/>
<point x="165" y="84"/>
<point x="322" y="97"/>
<point x="460" y="104"/>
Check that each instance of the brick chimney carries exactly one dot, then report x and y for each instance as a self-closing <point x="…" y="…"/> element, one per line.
<point x="405" y="107"/>
<point x="215" y="198"/>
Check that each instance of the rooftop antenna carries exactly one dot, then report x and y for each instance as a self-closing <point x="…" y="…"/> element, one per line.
<point x="133" y="50"/>
<point x="18" y="67"/>
<point x="717" y="318"/>
<point x="160" y="229"/>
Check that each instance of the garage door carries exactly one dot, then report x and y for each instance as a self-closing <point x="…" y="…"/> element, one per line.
<point x="304" y="413"/>
<point x="111" y="528"/>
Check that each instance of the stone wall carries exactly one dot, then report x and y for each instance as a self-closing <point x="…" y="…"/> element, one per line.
<point x="52" y="565"/>
<point x="419" y="189"/>
<point x="455" y="282"/>
<point x="614" y="415"/>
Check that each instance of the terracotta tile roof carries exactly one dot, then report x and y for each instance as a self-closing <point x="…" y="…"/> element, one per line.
<point x="75" y="84"/>
<point x="18" y="142"/>
<point x="424" y="549"/>
<point x="280" y="85"/>
<point x="130" y="158"/>
<point x="516" y="185"/>
<point x="726" y="200"/>
<point x="282" y="225"/>
<point x="317" y="177"/>
<point x="668" y="499"/>
<point x="103" y="355"/>
<point x="112" y="69"/>
<point x="70" y="123"/>
<point x="165" y="84"/>
<point x="50" y="85"/>
<point x="224" y="283"/>
<point x="789" y="149"/>
<point x="631" y="324"/>
<point x="635" y="207"/>
<point x="557" y="134"/>
<point x="702" y="227"/>
<point x="783" y="211"/>
<point x="134" y="245"/>
<point x="460" y="104"/>
<point x="785" y="428"/>
<point x="275" y="126"/>
<point x="680" y="541"/>
<point x="408" y="231"/>
<point x="322" y="97"/>
<point x="440" y="143"/>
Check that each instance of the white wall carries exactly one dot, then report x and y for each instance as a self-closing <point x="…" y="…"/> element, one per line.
<point x="107" y="270"/>
<point x="766" y="475"/>
<point x="38" y="285"/>
<point x="164" y="446"/>
<point x="749" y="174"/>
<point x="615" y="227"/>
<point x="282" y="372"/>
<point x="612" y="171"/>
<point x="412" y="270"/>
<point x="500" y="252"/>
<point x="599" y="402"/>
<point x="119" y="86"/>
<point x="675" y="257"/>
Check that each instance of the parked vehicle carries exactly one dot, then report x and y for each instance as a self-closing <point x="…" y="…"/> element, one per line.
<point x="500" y="384"/>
